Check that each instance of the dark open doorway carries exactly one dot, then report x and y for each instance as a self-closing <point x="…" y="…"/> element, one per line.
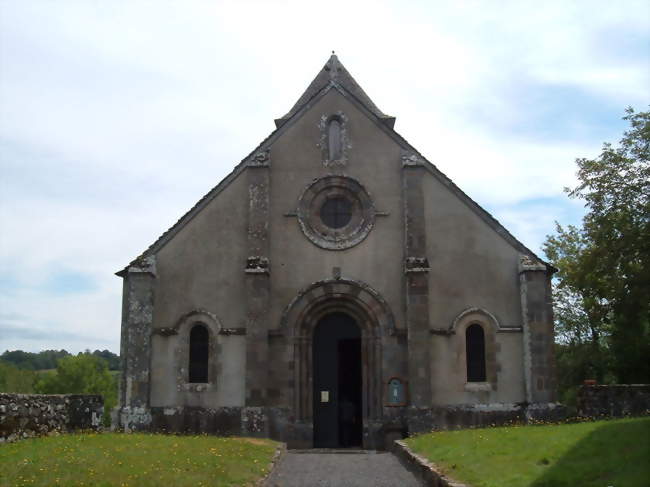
<point x="336" y="355"/>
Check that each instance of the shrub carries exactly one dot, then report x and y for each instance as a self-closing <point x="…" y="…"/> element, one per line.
<point x="81" y="374"/>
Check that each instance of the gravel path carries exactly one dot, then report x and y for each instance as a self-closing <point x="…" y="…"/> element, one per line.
<point x="376" y="469"/>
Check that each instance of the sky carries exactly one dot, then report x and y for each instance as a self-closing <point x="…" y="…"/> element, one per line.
<point x="116" y="117"/>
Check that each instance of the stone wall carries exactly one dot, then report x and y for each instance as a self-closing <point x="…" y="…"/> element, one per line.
<point x="281" y="425"/>
<point x="614" y="400"/>
<point x="26" y="415"/>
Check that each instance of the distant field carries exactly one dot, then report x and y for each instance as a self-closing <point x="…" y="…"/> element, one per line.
<point x="591" y="454"/>
<point x="114" y="459"/>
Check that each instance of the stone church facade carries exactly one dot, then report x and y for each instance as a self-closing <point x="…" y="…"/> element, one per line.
<point x="336" y="289"/>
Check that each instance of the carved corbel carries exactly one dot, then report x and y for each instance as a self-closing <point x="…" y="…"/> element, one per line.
<point x="260" y="159"/>
<point x="257" y="265"/>
<point x="528" y="263"/>
<point x="411" y="159"/>
<point x="143" y="265"/>
<point x="416" y="264"/>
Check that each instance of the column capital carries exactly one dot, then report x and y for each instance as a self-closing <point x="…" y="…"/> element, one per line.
<point x="260" y="159"/>
<point x="528" y="263"/>
<point x="416" y="264"/>
<point x="143" y="265"/>
<point x="256" y="264"/>
<point x="411" y="159"/>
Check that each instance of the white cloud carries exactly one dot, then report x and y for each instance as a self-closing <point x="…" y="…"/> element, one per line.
<point x="118" y="116"/>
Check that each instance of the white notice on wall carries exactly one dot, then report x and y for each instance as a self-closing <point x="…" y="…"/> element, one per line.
<point x="324" y="396"/>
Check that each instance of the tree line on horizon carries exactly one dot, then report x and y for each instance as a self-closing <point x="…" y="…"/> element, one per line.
<point x="47" y="359"/>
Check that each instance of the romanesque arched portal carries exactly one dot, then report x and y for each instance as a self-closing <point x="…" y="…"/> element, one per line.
<point x="374" y="318"/>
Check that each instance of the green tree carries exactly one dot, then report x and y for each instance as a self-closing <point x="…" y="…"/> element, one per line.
<point x="81" y="374"/>
<point x="13" y="379"/>
<point x="603" y="289"/>
<point x="581" y="316"/>
<point x="112" y="359"/>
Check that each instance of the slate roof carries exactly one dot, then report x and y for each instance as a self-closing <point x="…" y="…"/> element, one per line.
<point x="335" y="76"/>
<point x="334" y="71"/>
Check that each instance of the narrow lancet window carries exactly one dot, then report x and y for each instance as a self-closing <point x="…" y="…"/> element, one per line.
<point x="199" y="346"/>
<point x="334" y="139"/>
<point x="475" y="353"/>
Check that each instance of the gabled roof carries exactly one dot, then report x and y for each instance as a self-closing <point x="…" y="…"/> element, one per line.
<point x="334" y="76"/>
<point x="335" y="73"/>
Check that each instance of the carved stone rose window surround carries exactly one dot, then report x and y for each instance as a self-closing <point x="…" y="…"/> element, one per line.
<point x="336" y="212"/>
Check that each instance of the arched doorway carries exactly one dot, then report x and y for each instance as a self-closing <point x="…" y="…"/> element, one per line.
<point x="371" y="315"/>
<point x="337" y="399"/>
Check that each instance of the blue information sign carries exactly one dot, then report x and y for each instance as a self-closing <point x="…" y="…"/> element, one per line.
<point x="396" y="392"/>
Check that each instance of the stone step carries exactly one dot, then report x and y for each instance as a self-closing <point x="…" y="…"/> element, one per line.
<point x="338" y="450"/>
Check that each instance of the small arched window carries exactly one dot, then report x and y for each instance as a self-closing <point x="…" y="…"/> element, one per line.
<point x="475" y="353"/>
<point x="334" y="139"/>
<point x="199" y="347"/>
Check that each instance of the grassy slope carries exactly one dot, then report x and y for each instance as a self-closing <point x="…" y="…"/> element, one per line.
<point x="135" y="460"/>
<point x="599" y="454"/>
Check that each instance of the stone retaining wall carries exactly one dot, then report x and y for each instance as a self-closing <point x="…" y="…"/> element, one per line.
<point x="614" y="400"/>
<point x="425" y="471"/>
<point x="278" y="423"/>
<point x="480" y="416"/>
<point x="26" y="415"/>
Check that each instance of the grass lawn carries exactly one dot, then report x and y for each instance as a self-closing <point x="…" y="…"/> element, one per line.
<point x="114" y="459"/>
<point x="599" y="454"/>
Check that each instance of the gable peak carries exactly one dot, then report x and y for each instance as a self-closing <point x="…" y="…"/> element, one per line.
<point x="335" y="73"/>
<point x="333" y="66"/>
